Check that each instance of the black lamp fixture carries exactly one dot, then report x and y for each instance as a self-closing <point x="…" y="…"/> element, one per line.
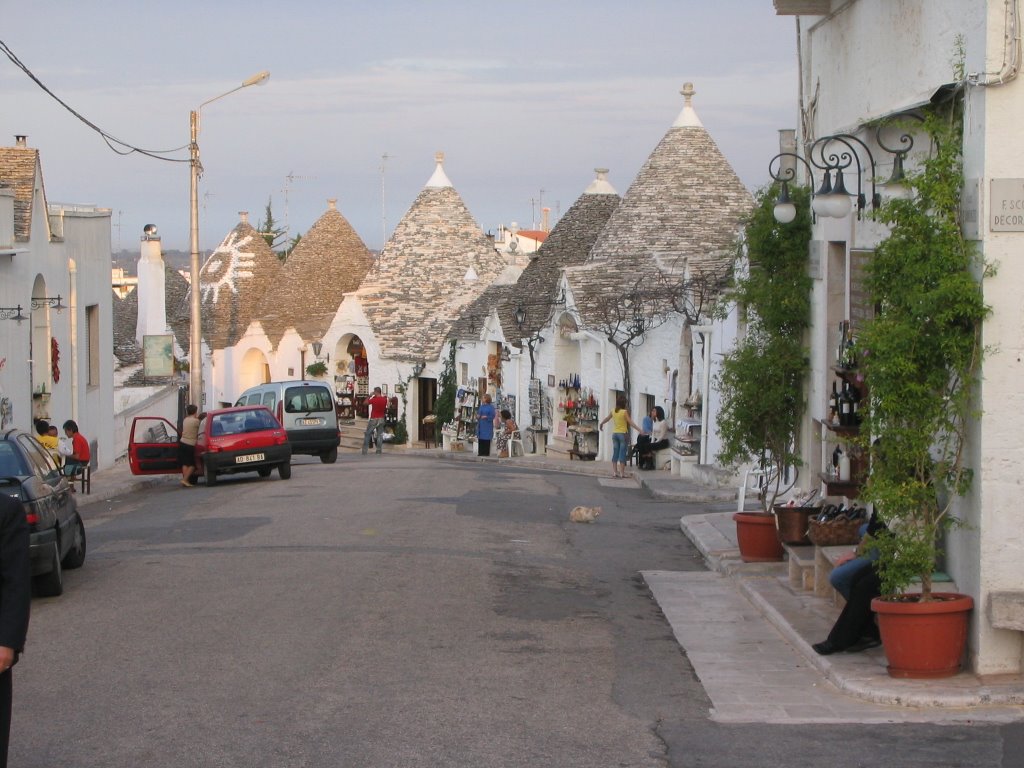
<point x="832" y="155"/>
<point x="520" y="316"/>
<point x="318" y="347"/>
<point x="12" y="313"/>
<point x="896" y="183"/>
<point x="46" y="301"/>
<point x="418" y="368"/>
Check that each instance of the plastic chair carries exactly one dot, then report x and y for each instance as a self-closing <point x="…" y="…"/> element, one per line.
<point x="757" y="474"/>
<point x="514" y="440"/>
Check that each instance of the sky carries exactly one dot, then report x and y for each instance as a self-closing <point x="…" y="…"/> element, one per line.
<point x="525" y="99"/>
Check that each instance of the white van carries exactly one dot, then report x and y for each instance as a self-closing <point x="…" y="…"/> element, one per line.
<point x="306" y="411"/>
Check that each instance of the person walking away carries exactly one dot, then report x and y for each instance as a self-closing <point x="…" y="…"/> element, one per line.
<point x="377" y="408"/>
<point x="15" y="599"/>
<point x="80" y="455"/>
<point x="621" y="422"/>
<point x="485" y="426"/>
<point x="187" y="446"/>
<point x="508" y="428"/>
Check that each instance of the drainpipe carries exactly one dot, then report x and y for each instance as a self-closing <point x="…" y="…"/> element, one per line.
<point x="705" y="335"/>
<point x="73" y="333"/>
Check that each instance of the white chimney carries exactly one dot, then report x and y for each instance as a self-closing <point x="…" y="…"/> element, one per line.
<point x="151" y="290"/>
<point x="20" y="140"/>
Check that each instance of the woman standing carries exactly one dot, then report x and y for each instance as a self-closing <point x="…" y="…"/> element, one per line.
<point x="621" y="422"/>
<point x="485" y="426"/>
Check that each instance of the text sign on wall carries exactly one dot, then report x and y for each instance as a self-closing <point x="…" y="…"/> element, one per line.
<point x="157" y="355"/>
<point x="1007" y="208"/>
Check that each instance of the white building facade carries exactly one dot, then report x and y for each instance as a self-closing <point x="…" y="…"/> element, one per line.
<point x="871" y="60"/>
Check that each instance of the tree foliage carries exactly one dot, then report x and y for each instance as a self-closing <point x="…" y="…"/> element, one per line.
<point x="761" y="380"/>
<point x="444" y="406"/>
<point x="920" y="356"/>
<point x="272" y="233"/>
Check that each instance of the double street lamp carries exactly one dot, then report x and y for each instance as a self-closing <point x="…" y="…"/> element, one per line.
<point x="195" y="314"/>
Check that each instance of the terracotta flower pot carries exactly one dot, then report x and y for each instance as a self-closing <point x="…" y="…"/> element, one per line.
<point x="757" y="537"/>
<point x="923" y="640"/>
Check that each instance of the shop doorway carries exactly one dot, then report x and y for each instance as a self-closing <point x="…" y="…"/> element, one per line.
<point x="426" y="398"/>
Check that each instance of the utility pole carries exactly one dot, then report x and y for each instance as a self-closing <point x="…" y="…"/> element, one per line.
<point x="118" y="225"/>
<point x="383" y="205"/>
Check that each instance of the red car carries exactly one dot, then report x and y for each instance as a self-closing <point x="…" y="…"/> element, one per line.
<point x="245" y="439"/>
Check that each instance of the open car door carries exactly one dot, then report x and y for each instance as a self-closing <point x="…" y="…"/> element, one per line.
<point x="153" y="447"/>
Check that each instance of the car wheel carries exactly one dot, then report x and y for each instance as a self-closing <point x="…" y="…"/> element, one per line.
<point x="75" y="557"/>
<point x="211" y="475"/>
<point x="264" y="471"/>
<point x="51" y="584"/>
<point x="284" y="470"/>
<point x="329" y="457"/>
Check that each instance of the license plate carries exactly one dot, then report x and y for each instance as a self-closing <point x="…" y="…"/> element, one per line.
<point x="250" y="457"/>
<point x="310" y="422"/>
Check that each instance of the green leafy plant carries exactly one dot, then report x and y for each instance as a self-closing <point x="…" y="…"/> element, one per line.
<point x="317" y="369"/>
<point x="761" y="380"/>
<point x="444" y="406"/>
<point x="920" y="355"/>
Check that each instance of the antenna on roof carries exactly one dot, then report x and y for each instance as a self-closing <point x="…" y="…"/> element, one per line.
<point x="383" y="204"/>
<point x="288" y="181"/>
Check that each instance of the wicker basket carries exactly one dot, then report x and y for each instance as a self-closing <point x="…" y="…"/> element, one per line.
<point x="835" y="532"/>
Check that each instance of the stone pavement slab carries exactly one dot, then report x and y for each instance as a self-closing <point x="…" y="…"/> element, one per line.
<point x="752" y="673"/>
<point x="801" y="619"/>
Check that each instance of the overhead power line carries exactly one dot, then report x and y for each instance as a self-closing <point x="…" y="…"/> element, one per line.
<point x="115" y="144"/>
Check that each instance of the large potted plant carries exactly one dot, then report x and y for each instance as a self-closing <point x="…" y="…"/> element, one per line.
<point x="920" y="356"/>
<point x="761" y="380"/>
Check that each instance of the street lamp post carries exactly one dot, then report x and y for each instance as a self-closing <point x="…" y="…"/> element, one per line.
<point x="195" y="314"/>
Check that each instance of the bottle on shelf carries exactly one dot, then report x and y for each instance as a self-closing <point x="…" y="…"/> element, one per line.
<point x="845" y="406"/>
<point x="844" y="467"/>
<point x="849" y="353"/>
<point x="833" y="405"/>
<point x="854" y="407"/>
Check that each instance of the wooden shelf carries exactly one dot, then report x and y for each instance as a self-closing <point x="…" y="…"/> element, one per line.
<point x="838" y="429"/>
<point x="833" y="487"/>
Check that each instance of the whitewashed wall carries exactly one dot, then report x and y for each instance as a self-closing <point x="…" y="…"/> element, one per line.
<point x="911" y="47"/>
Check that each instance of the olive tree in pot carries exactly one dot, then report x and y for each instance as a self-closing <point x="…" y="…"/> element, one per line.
<point x="761" y="380"/>
<point x="920" y="356"/>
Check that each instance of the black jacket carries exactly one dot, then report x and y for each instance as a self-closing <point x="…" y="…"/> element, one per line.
<point x="15" y="574"/>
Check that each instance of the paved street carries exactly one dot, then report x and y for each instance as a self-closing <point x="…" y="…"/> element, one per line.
<point x="405" y="611"/>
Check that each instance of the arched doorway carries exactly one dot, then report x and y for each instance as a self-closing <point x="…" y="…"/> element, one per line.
<point x="352" y="380"/>
<point x="254" y="369"/>
<point x="567" y="349"/>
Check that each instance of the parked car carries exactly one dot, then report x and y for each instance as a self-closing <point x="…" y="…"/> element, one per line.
<point x="56" y="532"/>
<point x="306" y="410"/>
<point x="246" y="439"/>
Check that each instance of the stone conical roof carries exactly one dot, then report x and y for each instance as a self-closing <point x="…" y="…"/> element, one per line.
<point x="568" y="245"/>
<point x="126" y="317"/>
<point x="234" y="281"/>
<point x="683" y="211"/>
<point x="328" y="262"/>
<point x="418" y="287"/>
